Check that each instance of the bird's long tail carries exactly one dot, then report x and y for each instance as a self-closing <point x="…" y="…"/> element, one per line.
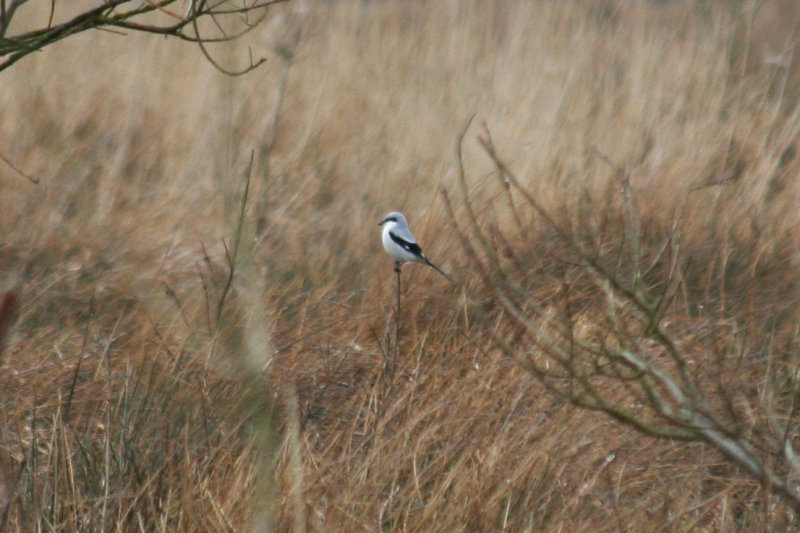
<point x="439" y="270"/>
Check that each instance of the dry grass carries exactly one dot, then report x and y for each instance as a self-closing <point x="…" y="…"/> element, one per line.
<point x="130" y="404"/>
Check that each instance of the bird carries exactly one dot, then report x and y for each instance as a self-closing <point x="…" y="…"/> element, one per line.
<point x="401" y="244"/>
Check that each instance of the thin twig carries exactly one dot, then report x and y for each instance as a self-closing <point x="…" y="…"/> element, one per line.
<point x="18" y="171"/>
<point x="232" y="256"/>
<point x="395" y="355"/>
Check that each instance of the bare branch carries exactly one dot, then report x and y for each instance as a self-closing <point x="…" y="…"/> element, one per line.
<point x="112" y="14"/>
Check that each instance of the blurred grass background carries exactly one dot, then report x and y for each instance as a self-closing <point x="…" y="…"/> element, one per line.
<point x="128" y="404"/>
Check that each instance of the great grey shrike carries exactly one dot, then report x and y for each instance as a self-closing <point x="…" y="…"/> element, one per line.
<point x="401" y="244"/>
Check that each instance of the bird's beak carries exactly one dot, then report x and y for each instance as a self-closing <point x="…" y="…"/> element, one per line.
<point x="382" y="222"/>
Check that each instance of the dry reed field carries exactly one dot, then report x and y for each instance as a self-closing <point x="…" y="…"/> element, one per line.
<point x="206" y="335"/>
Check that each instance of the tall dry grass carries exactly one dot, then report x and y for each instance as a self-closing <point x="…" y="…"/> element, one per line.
<point x="137" y="397"/>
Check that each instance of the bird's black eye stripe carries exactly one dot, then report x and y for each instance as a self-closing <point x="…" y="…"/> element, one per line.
<point x="390" y="219"/>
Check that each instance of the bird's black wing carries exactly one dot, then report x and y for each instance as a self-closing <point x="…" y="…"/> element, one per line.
<point x="408" y="246"/>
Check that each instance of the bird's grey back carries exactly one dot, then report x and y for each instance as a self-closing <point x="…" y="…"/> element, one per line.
<point x="405" y="234"/>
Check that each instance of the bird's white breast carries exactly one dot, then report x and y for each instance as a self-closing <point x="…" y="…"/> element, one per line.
<point x="394" y="249"/>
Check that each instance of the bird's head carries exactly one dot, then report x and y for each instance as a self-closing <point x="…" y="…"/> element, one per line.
<point x="395" y="217"/>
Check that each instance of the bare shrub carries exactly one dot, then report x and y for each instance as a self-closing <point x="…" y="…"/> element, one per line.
<point x="678" y="334"/>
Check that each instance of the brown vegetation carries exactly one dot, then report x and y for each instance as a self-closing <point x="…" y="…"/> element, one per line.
<point x="172" y="352"/>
